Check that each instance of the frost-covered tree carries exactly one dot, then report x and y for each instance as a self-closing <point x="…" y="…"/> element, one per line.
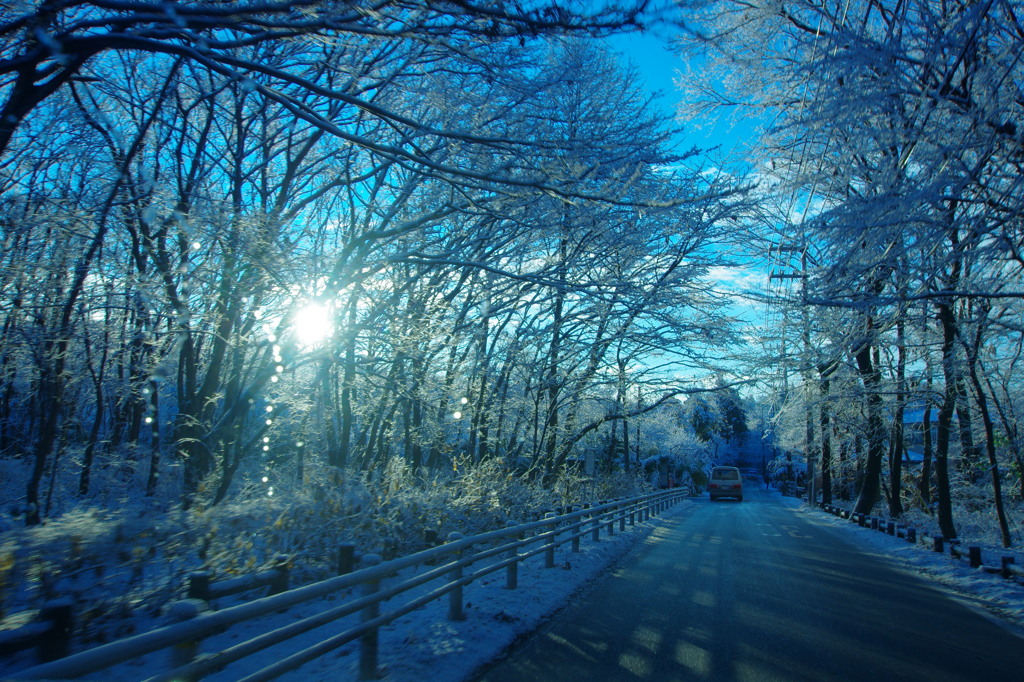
<point x="894" y="133"/>
<point x="48" y="47"/>
<point x="486" y="220"/>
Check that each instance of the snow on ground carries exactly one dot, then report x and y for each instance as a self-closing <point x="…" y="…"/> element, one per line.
<point x="426" y="645"/>
<point x="999" y="599"/>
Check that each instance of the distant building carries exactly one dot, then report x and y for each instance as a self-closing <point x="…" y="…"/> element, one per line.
<point x="913" y="434"/>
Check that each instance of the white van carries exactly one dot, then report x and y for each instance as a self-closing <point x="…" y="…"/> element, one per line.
<point x="726" y="482"/>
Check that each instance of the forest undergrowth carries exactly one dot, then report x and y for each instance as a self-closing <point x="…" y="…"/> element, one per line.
<point x="122" y="564"/>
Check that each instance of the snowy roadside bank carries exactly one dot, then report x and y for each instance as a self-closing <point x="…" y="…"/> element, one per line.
<point x="426" y="645"/>
<point x="423" y="644"/>
<point x="1000" y="599"/>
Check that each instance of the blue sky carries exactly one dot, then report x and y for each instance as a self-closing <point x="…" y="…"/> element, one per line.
<point x="659" y="67"/>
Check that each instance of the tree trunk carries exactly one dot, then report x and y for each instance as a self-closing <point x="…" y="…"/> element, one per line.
<point x="897" y="446"/>
<point x="870" y="488"/>
<point x="809" y="448"/>
<point x="84" y="478"/>
<point x="925" y="484"/>
<point x="50" y="398"/>
<point x="844" y="486"/>
<point x="824" y="422"/>
<point x="348" y="382"/>
<point x="990" y="432"/>
<point x="945" y="421"/>
<point x="970" y="454"/>
<point x="50" y="391"/>
<point x="154" y="445"/>
<point x="415" y="454"/>
<point x="1009" y="427"/>
<point x="553" y="381"/>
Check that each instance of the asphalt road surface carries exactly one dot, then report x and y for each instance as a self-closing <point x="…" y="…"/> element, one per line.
<point x="759" y="591"/>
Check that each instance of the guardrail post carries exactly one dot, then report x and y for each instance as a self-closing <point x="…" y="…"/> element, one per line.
<point x="368" y="649"/>
<point x="622" y="518"/>
<point x="1006" y="562"/>
<point x="611" y="519"/>
<point x="549" y="553"/>
<point x="184" y="653"/>
<point x="512" y="570"/>
<point x="938" y="544"/>
<point x="199" y="585"/>
<point x="974" y="556"/>
<point x="280" y="582"/>
<point x="455" y="610"/>
<point x="576" y="533"/>
<point x="346" y="559"/>
<point x="890" y="527"/>
<point x="912" y="534"/>
<point x="595" y="533"/>
<point x="632" y="514"/>
<point x="57" y="644"/>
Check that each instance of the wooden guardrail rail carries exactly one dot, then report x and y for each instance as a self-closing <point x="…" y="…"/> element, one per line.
<point x="49" y="633"/>
<point x="447" y="568"/>
<point x="201" y="585"/>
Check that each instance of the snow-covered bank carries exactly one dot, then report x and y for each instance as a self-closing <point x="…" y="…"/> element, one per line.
<point x="424" y="643"/>
<point x="999" y="598"/>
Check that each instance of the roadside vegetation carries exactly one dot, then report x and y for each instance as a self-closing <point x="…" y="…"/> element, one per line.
<point x="274" y="280"/>
<point x="889" y="162"/>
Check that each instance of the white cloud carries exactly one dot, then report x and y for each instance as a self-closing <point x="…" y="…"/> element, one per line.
<point x="737" y="278"/>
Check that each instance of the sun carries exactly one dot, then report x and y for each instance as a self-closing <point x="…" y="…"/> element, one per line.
<point x="313" y="324"/>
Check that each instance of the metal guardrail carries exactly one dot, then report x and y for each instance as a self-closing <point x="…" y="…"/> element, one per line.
<point x="499" y="550"/>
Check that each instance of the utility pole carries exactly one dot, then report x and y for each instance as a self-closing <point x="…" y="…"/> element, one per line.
<point x="800" y="273"/>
